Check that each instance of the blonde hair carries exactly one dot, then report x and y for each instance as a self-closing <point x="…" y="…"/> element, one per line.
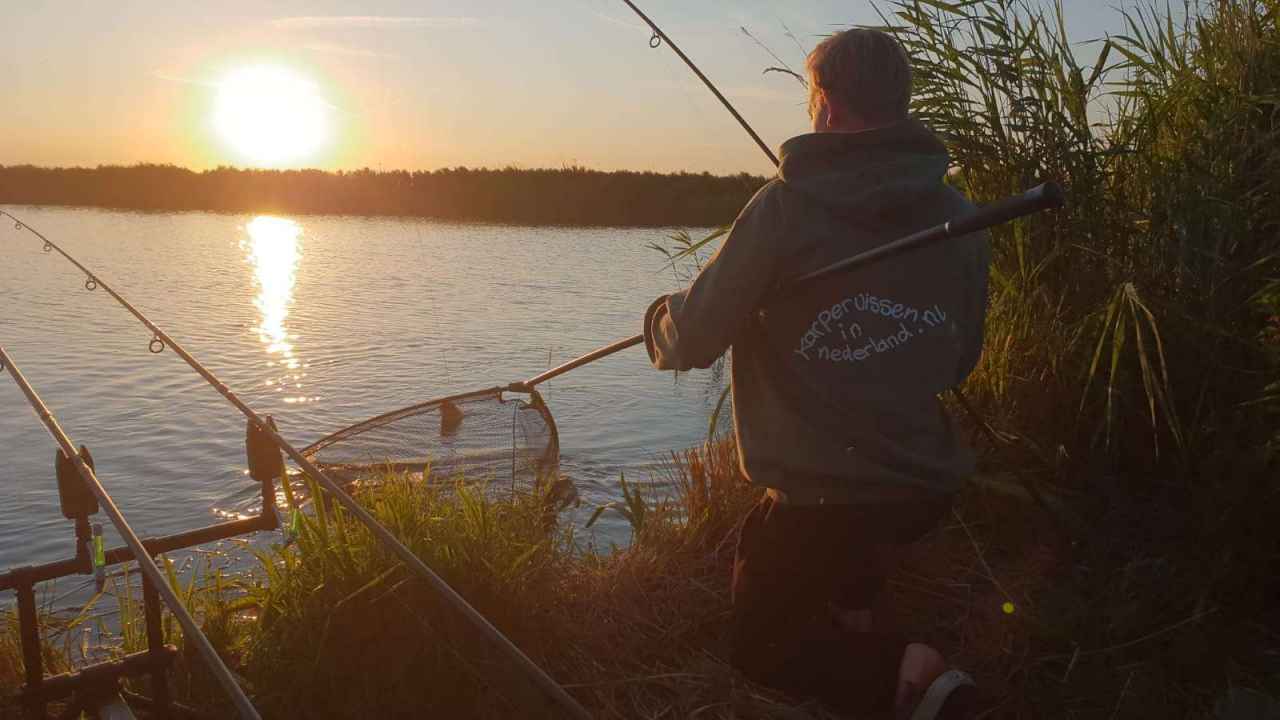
<point x="865" y="72"/>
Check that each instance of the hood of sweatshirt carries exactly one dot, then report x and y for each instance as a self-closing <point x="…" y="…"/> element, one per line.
<point x="874" y="173"/>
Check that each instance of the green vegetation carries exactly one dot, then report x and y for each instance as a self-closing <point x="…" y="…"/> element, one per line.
<point x="617" y="628"/>
<point x="1131" y="356"/>
<point x="1138" y="317"/>
<point x="567" y="196"/>
<point x="332" y="626"/>
<point x="56" y="650"/>
<point x="111" y="625"/>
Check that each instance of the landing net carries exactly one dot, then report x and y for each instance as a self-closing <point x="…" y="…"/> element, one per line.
<point x="492" y="435"/>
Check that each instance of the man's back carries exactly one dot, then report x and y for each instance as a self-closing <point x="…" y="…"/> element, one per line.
<point x="835" y="384"/>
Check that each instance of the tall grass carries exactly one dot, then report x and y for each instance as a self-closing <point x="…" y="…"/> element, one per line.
<point x="344" y="631"/>
<point x="111" y="624"/>
<point x="56" y="641"/>
<point x="333" y="627"/>
<point x="1130" y="325"/>
<point x="1131" y="348"/>
<point x="337" y="628"/>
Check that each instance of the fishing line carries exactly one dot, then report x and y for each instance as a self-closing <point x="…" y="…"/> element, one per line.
<point x="161" y="340"/>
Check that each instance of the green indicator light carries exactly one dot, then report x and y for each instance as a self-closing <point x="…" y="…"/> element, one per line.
<point x="99" y="558"/>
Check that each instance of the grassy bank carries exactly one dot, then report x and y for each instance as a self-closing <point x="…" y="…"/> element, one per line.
<point x="332" y="626"/>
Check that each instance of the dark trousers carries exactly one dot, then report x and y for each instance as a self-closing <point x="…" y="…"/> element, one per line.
<point x="795" y="570"/>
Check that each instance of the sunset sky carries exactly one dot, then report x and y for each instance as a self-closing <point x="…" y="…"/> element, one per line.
<point x="420" y="85"/>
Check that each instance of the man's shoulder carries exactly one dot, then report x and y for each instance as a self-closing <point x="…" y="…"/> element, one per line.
<point x="767" y="201"/>
<point x="768" y="192"/>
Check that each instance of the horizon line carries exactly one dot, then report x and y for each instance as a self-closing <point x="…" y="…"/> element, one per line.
<point x="337" y="171"/>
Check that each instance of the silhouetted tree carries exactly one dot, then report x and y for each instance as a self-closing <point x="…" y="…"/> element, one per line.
<point x="567" y="196"/>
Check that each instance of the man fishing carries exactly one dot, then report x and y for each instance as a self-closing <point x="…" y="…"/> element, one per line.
<point x="835" y="384"/>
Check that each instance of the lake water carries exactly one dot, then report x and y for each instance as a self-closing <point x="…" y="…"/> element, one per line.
<point x="321" y="322"/>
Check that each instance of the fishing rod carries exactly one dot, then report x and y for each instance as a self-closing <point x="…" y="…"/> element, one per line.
<point x="660" y="37"/>
<point x="145" y="562"/>
<point x="161" y="340"/>
<point x="1041" y="197"/>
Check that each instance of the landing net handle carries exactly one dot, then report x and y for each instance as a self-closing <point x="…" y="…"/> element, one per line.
<point x="499" y="641"/>
<point x="1042" y="197"/>
<point x="145" y="563"/>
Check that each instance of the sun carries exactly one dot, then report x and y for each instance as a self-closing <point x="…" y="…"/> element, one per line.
<point x="271" y="116"/>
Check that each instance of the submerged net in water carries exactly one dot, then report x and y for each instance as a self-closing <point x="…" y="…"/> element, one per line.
<point x="487" y="435"/>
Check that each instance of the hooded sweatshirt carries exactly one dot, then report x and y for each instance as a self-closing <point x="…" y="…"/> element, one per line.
<point x="835" y="382"/>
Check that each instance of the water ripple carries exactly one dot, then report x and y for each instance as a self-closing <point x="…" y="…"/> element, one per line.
<point x="321" y="322"/>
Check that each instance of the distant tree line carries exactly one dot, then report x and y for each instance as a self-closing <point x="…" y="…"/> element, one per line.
<point x="567" y="196"/>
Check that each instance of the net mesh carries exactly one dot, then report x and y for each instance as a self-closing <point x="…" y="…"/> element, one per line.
<point x="488" y="435"/>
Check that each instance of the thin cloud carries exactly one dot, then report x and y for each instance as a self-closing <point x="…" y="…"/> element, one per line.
<point x="369" y="22"/>
<point x="634" y="25"/>
<point x="170" y="77"/>
<point x="348" y="50"/>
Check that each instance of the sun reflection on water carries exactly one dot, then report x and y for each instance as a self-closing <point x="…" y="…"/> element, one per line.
<point x="273" y="247"/>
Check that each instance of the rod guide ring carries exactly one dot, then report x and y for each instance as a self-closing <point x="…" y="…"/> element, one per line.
<point x="156" y="346"/>
<point x="655" y="41"/>
<point x="90" y="284"/>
